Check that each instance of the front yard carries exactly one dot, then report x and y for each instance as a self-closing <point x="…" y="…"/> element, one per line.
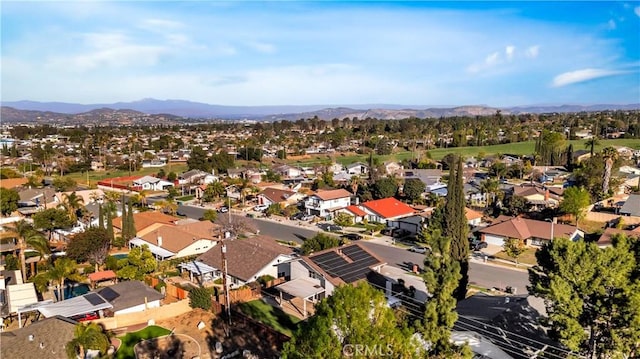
<point x="528" y="257"/>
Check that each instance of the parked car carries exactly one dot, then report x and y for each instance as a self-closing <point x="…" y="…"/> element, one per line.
<point x="260" y="207"/>
<point x="387" y="231"/>
<point x="477" y="245"/>
<point x="352" y="236"/>
<point x="329" y="227"/>
<point x="223" y="209"/>
<point x="419" y="249"/>
<point x="400" y="232"/>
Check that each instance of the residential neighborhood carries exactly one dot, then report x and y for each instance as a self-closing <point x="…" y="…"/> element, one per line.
<point x="212" y="237"/>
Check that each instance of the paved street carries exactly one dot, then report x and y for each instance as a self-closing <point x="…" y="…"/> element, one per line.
<point x="481" y="274"/>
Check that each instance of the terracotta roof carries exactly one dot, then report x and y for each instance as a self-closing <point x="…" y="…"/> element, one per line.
<point x="175" y="238"/>
<point x="333" y="194"/>
<point x="522" y="228"/>
<point x="202" y="229"/>
<point x="54" y="333"/>
<point x="143" y="220"/>
<point x="471" y="214"/>
<point x="276" y="195"/>
<point x="353" y="254"/>
<point x="98" y="276"/>
<point x="356" y="210"/>
<point x="606" y="236"/>
<point x="10" y="183"/>
<point x="245" y="257"/>
<point x="388" y="207"/>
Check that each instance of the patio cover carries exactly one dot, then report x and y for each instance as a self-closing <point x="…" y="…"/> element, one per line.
<point x="301" y="288"/>
<point x="197" y="267"/>
<point x="157" y="251"/>
<point x="90" y="302"/>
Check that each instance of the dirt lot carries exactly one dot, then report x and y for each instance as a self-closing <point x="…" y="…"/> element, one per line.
<point x="237" y="338"/>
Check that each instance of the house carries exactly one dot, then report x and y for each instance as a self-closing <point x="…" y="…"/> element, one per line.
<point x="146" y="221"/>
<point x="532" y="232"/>
<point x="192" y="177"/>
<point x="247" y="260"/>
<point x="429" y="177"/>
<point x="45" y="338"/>
<point x="37" y="198"/>
<point x="151" y="183"/>
<point x="323" y="203"/>
<point x="287" y="171"/>
<point x="386" y="209"/>
<point x="130" y="297"/>
<point x="581" y="155"/>
<point x="393" y="168"/>
<point x="88" y="303"/>
<point x="474" y="218"/>
<point x="631" y="206"/>
<point x="606" y="237"/>
<point x="88" y="196"/>
<point x="315" y="276"/>
<point x="282" y="197"/>
<point x="354" y="211"/>
<point x="539" y="197"/>
<point x="413" y="224"/>
<point x="178" y="241"/>
<point x="15" y="295"/>
<point x="358" y="168"/>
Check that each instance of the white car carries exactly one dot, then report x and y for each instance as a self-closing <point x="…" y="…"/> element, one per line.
<point x="418" y="249"/>
<point x="260" y="207"/>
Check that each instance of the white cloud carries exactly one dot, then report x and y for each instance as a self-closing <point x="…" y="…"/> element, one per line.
<point x="509" y="51"/>
<point x="637" y="10"/>
<point x="263" y="47"/>
<point x="611" y="25"/>
<point x="532" y="52"/>
<point x="160" y="25"/>
<point x="577" y="76"/>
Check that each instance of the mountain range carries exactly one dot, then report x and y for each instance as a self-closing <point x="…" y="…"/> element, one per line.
<point x="198" y="110"/>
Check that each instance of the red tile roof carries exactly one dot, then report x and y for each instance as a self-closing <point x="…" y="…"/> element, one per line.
<point x="98" y="276"/>
<point x="388" y="207"/>
<point x="143" y="220"/>
<point x="522" y="228"/>
<point x="356" y="210"/>
<point x="333" y="194"/>
<point x="471" y="214"/>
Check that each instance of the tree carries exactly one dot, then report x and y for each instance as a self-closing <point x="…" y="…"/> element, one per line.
<point x="413" y="189"/>
<point x="235" y="225"/>
<point x="9" y="199"/>
<point x="93" y="245"/>
<point x="355" y="320"/>
<point x="592" y="296"/>
<point x="490" y="187"/>
<point x="72" y="203"/>
<point x="273" y="209"/>
<point x="26" y="235"/>
<point x="515" y="205"/>
<point x="64" y="184"/>
<point x="455" y="226"/>
<point x="209" y="215"/>
<point x="575" y="201"/>
<point x="51" y="219"/>
<point x="87" y="336"/>
<point x="200" y="297"/>
<point x="319" y="242"/>
<point x="131" y="225"/>
<point x="343" y="219"/>
<point x="514" y="247"/>
<point x="609" y="154"/>
<point x="64" y="268"/>
<point x="384" y="188"/>
<point x="591" y="144"/>
<point x="441" y="278"/>
<point x="138" y="263"/>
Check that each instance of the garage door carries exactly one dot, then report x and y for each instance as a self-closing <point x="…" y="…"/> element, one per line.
<point x="494" y="240"/>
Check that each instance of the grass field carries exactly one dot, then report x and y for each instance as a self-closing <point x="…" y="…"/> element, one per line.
<point x="94" y="177"/>
<point x="271" y="316"/>
<point x="518" y="148"/>
<point x="131" y="339"/>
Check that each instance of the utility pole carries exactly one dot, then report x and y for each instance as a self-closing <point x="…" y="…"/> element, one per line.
<point x="225" y="283"/>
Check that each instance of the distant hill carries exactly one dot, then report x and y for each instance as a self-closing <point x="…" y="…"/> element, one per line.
<point x="198" y="110"/>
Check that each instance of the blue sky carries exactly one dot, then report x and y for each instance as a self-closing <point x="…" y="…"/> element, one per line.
<point x="304" y="53"/>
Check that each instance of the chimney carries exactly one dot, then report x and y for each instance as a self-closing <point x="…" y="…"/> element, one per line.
<point x="159" y="241"/>
<point x="546" y="195"/>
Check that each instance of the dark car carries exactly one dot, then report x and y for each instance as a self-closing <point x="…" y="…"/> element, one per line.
<point x="329" y="227"/>
<point x="352" y="236"/>
<point x="477" y="245"/>
<point x="400" y="232"/>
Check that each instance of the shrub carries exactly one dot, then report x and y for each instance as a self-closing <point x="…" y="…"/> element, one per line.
<point x="263" y="280"/>
<point x="200" y="298"/>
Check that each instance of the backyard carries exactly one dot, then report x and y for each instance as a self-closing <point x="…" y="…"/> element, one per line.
<point x="128" y="341"/>
<point x="270" y="316"/>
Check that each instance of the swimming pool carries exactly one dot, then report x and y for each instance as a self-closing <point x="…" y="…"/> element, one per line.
<point x="120" y="255"/>
<point x="75" y="289"/>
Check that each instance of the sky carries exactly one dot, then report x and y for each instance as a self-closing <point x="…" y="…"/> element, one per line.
<point x="311" y="53"/>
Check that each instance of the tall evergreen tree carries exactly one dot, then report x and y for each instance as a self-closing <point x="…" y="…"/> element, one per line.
<point x="455" y="225"/>
<point x="110" y="226"/>
<point x="131" y="227"/>
<point x="124" y="229"/>
<point x="442" y="275"/>
<point x="100" y="216"/>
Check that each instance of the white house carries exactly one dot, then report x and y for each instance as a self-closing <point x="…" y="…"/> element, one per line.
<point x="357" y="168"/>
<point x="386" y="209"/>
<point x="247" y="260"/>
<point x="323" y="203"/>
<point x="288" y="171"/>
<point x="152" y="183"/>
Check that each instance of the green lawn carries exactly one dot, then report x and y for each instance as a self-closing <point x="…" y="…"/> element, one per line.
<point x="131" y="339"/>
<point x="528" y="257"/>
<point x="270" y="315"/>
<point x="81" y="178"/>
<point x="518" y="148"/>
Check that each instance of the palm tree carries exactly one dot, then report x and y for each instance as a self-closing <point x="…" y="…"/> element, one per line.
<point x="591" y="144"/>
<point x="609" y="154"/>
<point x="26" y="235"/>
<point x="63" y="268"/>
<point x="87" y="336"/>
<point x="490" y="187"/>
<point x="71" y="202"/>
<point x="355" y="183"/>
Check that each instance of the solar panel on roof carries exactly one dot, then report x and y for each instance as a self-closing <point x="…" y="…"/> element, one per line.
<point x="356" y="268"/>
<point x="94" y="299"/>
<point x="109" y="294"/>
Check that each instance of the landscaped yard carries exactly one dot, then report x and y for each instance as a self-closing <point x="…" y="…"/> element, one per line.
<point x="270" y="315"/>
<point x="131" y="339"/>
<point x="528" y="257"/>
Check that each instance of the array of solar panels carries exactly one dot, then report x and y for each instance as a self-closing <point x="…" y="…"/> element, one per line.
<point x="354" y="268"/>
